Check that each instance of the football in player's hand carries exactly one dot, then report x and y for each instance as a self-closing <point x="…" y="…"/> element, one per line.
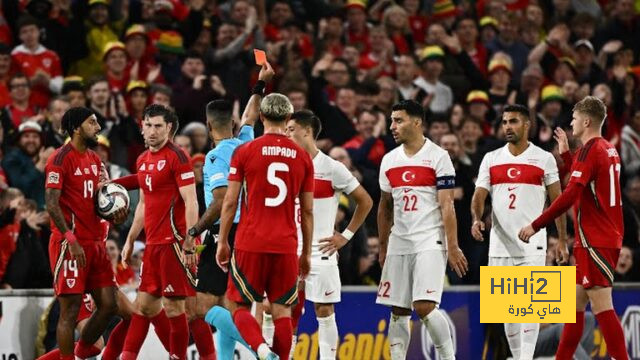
<point x="110" y="199"/>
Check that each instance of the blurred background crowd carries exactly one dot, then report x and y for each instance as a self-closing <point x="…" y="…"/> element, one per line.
<point x="348" y="61"/>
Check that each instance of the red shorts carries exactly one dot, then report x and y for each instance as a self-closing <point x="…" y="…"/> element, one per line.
<point x="164" y="273"/>
<point x="595" y="266"/>
<point x="253" y="274"/>
<point x="68" y="278"/>
<point x="86" y="309"/>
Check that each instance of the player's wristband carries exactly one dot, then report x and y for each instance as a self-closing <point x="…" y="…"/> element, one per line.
<point x="258" y="88"/>
<point x="70" y="237"/>
<point x="347" y="234"/>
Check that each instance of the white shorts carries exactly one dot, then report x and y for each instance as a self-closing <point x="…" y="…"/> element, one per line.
<point x="532" y="260"/>
<point x="412" y="277"/>
<point x="322" y="286"/>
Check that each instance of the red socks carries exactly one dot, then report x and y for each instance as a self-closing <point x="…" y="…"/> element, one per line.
<point x="162" y="328"/>
<point x="116" y="341"/>
<point x="135" y="336"/>
<point x="296" y="312"/>
<point x="613" y="335"/>
<point x="571" y="334"/>
<point x="202" y="336"/>
<point x="282" y="337"/>
<point x="84" y="350"/>
<point x="179" y="337"/>
<point x="249" y="328"/>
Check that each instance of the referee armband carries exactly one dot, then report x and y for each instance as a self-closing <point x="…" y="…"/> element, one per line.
<point x="445" y="182"/>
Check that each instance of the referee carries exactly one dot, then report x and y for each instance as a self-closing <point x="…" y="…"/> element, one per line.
<point x="212" y="280"/>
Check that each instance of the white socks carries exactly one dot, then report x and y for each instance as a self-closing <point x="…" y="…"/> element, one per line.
<point x="529" y="338"/>
<point x="268" y="328"/>
<point x="328" y="337"/>
<point x="438" y="328"/>
<point x="513" y="333"/>
<point x="399" y="336"/>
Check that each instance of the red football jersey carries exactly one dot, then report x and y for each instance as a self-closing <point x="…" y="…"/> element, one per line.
<point x="76" y="175"/>
<point x="28" y="63"/>
<point x="275" y="171"/>
<point x="598" y="210"/>
<point x="161" y="174"/>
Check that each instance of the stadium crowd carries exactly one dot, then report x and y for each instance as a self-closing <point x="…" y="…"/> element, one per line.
<point x="348" y="61"/>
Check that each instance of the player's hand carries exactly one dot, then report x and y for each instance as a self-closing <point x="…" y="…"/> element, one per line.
<point x="561" y="137"/>
<point x="304" y="266"/>
<point x="127" y="249"/>
<point x="457" y="261"/>
<point x="222" y="255"/>
<point x="562" y="253"/>
<point x="120" y="216"/>
<point x="266" y="72"/>
<point x="189" y="252"/>
<point x="330" y="245"/>
<point x="526" y="233"/>
<point x="77" y="254"/>
<point x="476" y="230"/>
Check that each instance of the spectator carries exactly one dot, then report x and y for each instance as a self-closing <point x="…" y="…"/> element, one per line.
<point x="115" y="63"/>
<point x="396" y="23"/>
<point x="480" y="109"/>
<point x="551" y="107"/>
<point x="41" y="65"/>
<point x="501" y="93"/>
<point x="141" y="65"/>
<point x="466" y="31"/>
<point x="161" y="94"/>
<point x="52" y="133"/>
<point x="626" y="269"/>
<point x="5" y="66"/>
<point x="10" y="203"/>
<point x="232" y="58"/>
<point x="368" y="147"/>
<point x="366" y="94"/>
<point x="406" y="72"/>
<point x="28" y="266"/>
<point x="508" y="41"/>
<point x="73" y="87"/>
<point x="297" y="94"/>
<point x="91" y="30"/>
<point x="19" y="109"/>
<point x="195" y="89"/>
<point x="184" y="142"/>
<point x="440" y="98"/>
<point x="438" y="126"/>
<point x="24" y="165"/>
<point x="488" y="29"/>
<point x="630" y="154"/>
<point x="378" y="60"/>
<point x="622" y="25"/>
<point x="475" y="252"/>
<point x="279" y="14"/>
<point x="588" y="71"/>
<point x="197" y="133"/>
<point x="125" y="277"/>
<point x="170" y="51"/>
<point x="137" y="99"/>
<point x="387" y="95"/>
<point x="330" y="34"/>
<point x="357" y="29"/>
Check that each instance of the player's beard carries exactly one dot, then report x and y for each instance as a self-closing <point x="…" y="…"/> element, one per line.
<point x="91" y="141"/>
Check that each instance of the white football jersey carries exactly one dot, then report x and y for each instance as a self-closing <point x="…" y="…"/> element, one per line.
<point x="332" y="178"/>
<point x="518" y="188"/>
<point x="414" y="183"/>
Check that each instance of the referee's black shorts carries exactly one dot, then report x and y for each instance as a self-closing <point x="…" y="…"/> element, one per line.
<point x="211" y="279"/>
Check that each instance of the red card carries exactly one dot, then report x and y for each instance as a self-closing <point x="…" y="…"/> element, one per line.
<point x="261" y="56"/>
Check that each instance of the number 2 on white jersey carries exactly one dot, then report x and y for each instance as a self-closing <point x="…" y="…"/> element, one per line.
<point x="274" y="180"/>
<point x="613" y="169"/>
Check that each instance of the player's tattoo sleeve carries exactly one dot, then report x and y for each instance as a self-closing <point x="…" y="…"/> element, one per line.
<point x="251" y="111"/>
<point x="554" y="191"/>
<point x="445" y="198"/>
<point x="52" y="199"/>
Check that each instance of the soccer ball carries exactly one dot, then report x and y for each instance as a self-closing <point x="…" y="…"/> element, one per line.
<point x="111" y="198"/>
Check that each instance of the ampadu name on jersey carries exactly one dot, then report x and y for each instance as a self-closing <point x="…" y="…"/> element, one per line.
<point x="279" y="151"/>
